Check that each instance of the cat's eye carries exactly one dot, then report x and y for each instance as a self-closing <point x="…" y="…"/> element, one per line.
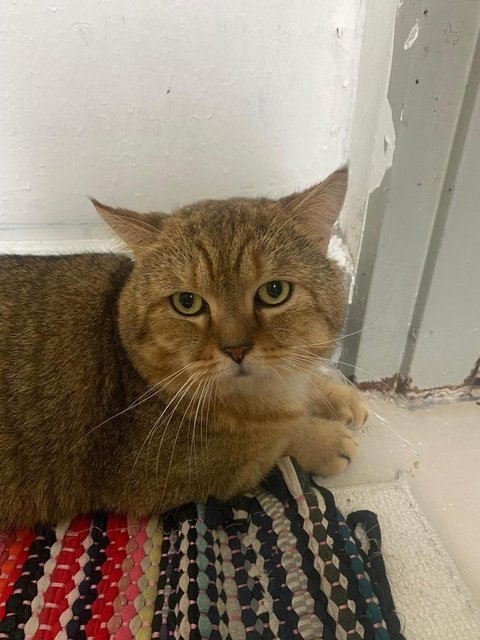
<point x="188" y="303"/>
<point x="274" y="292"/>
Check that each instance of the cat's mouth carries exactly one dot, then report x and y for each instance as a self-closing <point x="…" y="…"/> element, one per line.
<point x="241" y="372"/>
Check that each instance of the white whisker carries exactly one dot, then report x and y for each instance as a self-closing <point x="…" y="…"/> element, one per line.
<point x="175" y="441"/>
<point x="153" y="428"/>
<point x="202" y="422"/>
<point x="210" y="397"/>
<point x="147" y="395"/>
<point x="316" y="390"/>
<point x="327" y="363"/>
<point x="192" y="453"/>
<point x="172" y="412"/>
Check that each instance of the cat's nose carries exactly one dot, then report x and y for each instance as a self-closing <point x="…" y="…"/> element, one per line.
<point x="237" y="353"/>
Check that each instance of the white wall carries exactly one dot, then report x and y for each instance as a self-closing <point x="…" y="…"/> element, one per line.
<point x="156" y="103"/>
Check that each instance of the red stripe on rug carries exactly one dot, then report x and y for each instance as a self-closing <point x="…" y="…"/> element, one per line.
<point x="107" y="591"/>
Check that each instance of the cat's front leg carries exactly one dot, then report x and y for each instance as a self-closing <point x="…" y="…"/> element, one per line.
<point x="341" y="403"/>
<point x="322" y="447"/>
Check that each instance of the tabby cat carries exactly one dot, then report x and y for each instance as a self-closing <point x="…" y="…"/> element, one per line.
<point x="136" y="385"/>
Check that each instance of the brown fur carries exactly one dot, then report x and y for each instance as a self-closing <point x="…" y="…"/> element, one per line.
<point x="84" y="337"/>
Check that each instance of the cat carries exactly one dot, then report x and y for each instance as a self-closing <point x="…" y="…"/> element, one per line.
<point x="137" y="385"/>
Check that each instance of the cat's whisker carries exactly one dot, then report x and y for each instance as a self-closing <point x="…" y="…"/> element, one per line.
<point x="345" y="335"/>
<point x="282" y="379"/>
<point x="192" y="400"/>
<point x="167" y="380"/>
<point x="296" y="371"/>
<point x="215" y="397"/>
<point x="202" y="422"/>
<point x="179" y="428"/>
<point x="273" y="370"/>
<point x="184" y="389"/>
<point x="287" y="366"/>
<point x="317" y="360"/>
<point x="217" y="381"/>
<point x="211" y="397"/>
<point x="199" y="413"/>
<point x="299" y="369"/>
<point x="193" y="446"/>
<point x="327" y="363"/>
<point x="316" y="389"/>
<point x="153" y="428"/>
<point x="172" y="413"/>
<point x="301" y="361"/>
<point x="191" y="429"/>
<point x="293" y="371"/>
<point x="147" y="395"/>
<point x="322" y="367"/>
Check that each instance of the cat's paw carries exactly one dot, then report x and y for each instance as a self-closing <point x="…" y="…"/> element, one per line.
<point x="343" y="403"/>
<point x="327" y="449"/>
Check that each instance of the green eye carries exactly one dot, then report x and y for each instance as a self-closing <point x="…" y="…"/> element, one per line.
<point x="187" y="303"/>
<point x="274" y="292"/>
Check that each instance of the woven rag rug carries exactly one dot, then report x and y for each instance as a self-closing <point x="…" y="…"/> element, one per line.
<point x="282" y="563"/>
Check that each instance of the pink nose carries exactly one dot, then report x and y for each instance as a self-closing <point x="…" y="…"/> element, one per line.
<point x="237" y="354"/>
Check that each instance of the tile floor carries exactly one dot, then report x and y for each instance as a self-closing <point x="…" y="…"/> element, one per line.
<point x="438" y="450"/>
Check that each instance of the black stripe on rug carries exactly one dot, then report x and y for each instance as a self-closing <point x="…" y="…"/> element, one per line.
<point x="82" y="607"/>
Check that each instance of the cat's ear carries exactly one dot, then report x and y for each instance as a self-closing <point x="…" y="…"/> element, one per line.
<point x="137" y="230"/>
<point x="318" y="207"/>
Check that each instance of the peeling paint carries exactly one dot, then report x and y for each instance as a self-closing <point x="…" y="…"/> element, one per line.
<point x="339" y="252"/>
<point x="373" y="142"/>
<point x="412" y="36"/>
<point x="382" y="153"/>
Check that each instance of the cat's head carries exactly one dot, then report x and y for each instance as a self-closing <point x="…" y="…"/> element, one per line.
<point x="236" y="297"/>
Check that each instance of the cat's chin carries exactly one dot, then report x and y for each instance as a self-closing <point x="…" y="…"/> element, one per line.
<point x="256" y="382"/>
<point x="255" y="395"/>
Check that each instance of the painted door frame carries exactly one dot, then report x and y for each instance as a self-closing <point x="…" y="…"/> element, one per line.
<point x="412" y="254"/>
